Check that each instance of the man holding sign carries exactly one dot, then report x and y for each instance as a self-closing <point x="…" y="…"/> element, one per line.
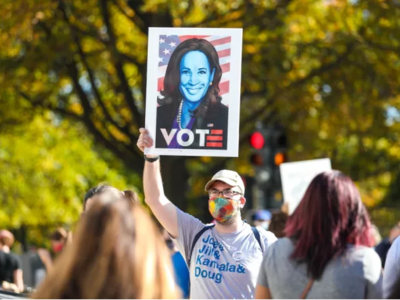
<point x="223" y="260"/>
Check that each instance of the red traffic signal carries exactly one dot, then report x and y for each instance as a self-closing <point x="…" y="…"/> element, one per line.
<point x="257" y="140"/>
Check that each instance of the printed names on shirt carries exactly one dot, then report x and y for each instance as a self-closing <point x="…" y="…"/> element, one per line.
<point x="208" y="263"/>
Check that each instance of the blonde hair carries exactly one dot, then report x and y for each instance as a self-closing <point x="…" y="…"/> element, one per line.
<point x="117" y="253"/>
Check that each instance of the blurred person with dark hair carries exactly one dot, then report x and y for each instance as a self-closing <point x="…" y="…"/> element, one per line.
<point x="327" y="251"/>
<point x="278" y="223"/>
<point x="261" y="219"/>
<point x="101" y="188"/>
<point x="117" y="253"/>
<point x="10" y="263"/>
<point x="383" y="247"/>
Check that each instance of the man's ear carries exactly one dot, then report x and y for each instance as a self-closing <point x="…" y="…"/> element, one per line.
<point x="242" y="202"/>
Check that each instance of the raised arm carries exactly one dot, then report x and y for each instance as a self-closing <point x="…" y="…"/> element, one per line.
<point x="162" y="208"/>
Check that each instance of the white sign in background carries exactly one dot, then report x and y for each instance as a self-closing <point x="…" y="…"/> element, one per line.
<point x="297" y="176"/>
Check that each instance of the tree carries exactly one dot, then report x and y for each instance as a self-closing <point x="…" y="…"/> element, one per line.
<point x="48" y="166"/>
<point x="326" y="70"/>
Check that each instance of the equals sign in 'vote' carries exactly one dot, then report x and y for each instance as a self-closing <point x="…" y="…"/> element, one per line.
<point x="214" y="140"/>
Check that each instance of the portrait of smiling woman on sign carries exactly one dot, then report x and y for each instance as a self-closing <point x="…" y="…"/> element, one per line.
<point x="190" y="113"/>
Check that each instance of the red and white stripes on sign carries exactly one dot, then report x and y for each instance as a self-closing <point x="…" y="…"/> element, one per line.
<point x="223" y="47"/>
<point x="215" y="138"/>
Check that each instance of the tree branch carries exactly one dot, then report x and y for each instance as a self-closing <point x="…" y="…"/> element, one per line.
<point x="381" y="46"/>
<point x="215" y="17"/>
<point x="133" y="158"/>
<point x="130" y="59"/>
<point x="324" y="68"/>
<point x="123" y="129"/>
<point x="119" y="65"/>
<point x="87" y="112"/>
<point x="135" y="18"/>
<point x="258" y="114"/>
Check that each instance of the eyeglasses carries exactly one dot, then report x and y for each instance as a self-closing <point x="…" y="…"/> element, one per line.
<point x="226" y="193"/>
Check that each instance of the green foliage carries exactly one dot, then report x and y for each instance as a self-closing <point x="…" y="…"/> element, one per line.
<point x="48" y="166"/>
<point x="329" y="71"/>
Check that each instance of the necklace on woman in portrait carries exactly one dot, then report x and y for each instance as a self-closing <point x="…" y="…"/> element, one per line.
<point x="178" y="118"/>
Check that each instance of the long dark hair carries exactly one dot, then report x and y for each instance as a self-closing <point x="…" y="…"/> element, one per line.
<point x="171" y="94"/>
<point x="330" y="216"/>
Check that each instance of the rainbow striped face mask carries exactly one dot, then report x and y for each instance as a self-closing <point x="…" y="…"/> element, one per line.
<point x="223" y="209"/>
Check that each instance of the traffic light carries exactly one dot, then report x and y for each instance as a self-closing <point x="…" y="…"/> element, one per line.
<point x="279" y="158"/>
<point x="279" y="150"/>
<point x="257" y="142"/>
<point x="269" y="151"/>
<point x="279" y="146"/>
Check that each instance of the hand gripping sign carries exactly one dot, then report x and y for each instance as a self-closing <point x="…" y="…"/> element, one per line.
<point x="193" y="91"/>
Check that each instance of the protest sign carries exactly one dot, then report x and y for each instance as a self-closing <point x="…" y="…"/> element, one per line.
<point x="193" y="91"/>
<point x="296" y="177"/>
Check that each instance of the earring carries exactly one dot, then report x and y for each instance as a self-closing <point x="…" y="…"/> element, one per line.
<point x="210" y="83"/>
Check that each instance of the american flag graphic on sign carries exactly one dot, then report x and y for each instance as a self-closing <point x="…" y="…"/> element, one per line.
<point x="222" y="44"/>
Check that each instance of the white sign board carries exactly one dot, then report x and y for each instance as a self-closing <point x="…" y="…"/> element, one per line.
<point x="296" y="177"/>
<point x="193" y="91"/>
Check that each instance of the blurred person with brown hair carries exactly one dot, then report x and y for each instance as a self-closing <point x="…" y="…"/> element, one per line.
<point x="117" y="253"/>
<point x="10" y="263"/>
<point x="278" y="223"/>
<point x="327" y="252"/>
<point x="61" y="237"/>
<point x="58" y="240"/>
<point x="376" y="234"/>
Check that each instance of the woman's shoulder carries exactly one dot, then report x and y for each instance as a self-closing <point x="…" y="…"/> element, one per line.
<point x="363" y="261"/>
<point x="222" y="114"/>
<point x="363" y="256"/>
<point x="223" y="109"/>
<point x="165" y="115"/>
<point x="361" y="252"/>
<point x="162" y="108"/>
<point x="283" y="246"/>
<point x="285" y="242"/>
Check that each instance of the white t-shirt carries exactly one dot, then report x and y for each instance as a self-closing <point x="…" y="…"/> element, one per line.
<point x="222" y="265"/>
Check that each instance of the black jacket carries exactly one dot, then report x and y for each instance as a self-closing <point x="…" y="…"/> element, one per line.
<point x="166" y="117"/>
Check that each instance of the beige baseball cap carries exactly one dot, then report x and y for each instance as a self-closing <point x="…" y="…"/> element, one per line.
<point x="229" y="177"/>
